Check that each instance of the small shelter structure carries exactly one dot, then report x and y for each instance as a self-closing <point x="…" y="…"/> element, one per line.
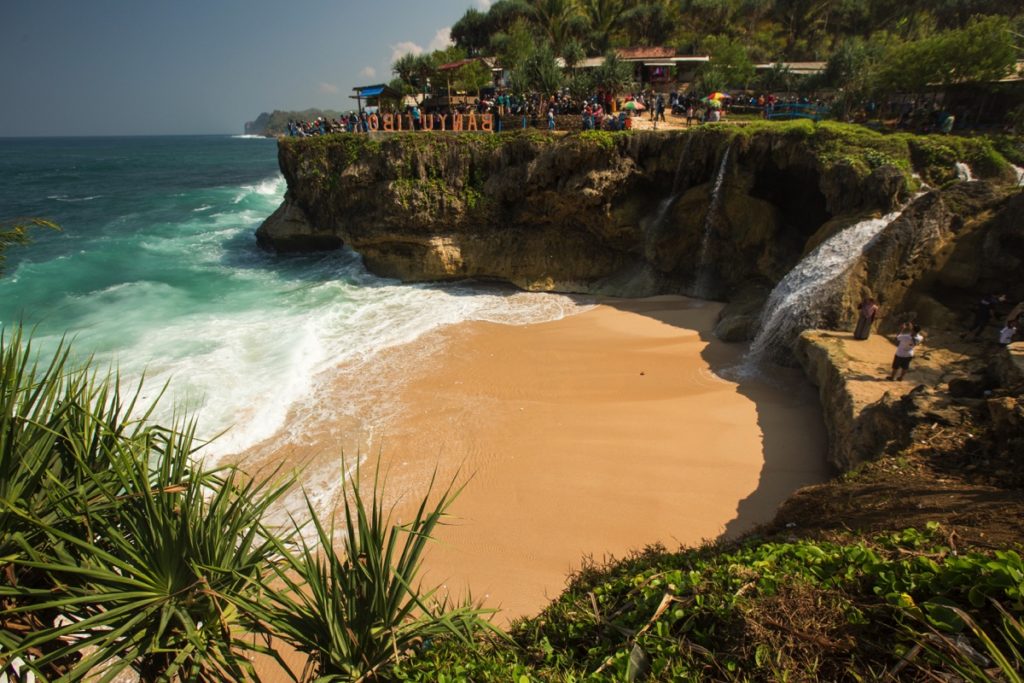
<point x="374" y="95"/>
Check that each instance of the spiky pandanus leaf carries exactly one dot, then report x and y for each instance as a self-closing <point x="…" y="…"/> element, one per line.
<point x="356" y="610"/>
<point x="106" y="521"/>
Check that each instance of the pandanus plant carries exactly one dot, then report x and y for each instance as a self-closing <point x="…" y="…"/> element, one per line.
<point x="359" y="609"/>
<point x="117" y="550"/>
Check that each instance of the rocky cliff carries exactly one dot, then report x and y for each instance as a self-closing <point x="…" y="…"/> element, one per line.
<point x="718" y="211"/>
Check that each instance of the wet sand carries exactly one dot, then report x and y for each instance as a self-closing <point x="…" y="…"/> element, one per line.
<point x="593" y="435"/>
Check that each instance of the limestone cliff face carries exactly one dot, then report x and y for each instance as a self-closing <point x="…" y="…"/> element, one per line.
<point x="720" y="211"/>
<point x="621" y="213"/>
<point x="948" y="248"/>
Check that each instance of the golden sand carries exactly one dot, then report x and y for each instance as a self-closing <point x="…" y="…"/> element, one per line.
<point x="592" y="435"/>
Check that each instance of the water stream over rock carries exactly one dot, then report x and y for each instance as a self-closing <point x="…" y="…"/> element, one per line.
<point x="794" y="305"/>
<point x="963" y="172"/>
<point x="702" y="285"/>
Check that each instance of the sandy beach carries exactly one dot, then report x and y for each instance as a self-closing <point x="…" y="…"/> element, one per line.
<point x="589" y="436"/>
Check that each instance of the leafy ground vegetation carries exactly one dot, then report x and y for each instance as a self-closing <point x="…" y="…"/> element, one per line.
<point x="119" y="551"/>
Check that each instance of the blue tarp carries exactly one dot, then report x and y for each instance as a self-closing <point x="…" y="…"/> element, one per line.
<point x="372" y="91"/>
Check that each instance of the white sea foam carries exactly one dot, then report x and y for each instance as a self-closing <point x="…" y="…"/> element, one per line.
<point x="65" y="198"/>
<point x="243" y="339"/>
<point x="271" y="187"/>
<point x="250" y="137"/>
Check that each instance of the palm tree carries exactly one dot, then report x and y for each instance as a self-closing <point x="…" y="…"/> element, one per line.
<point x="559" y="19"/>
<point x="603" y="18"/>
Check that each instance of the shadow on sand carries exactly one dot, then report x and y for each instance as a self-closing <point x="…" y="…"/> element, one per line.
<point x="787" y="406"/>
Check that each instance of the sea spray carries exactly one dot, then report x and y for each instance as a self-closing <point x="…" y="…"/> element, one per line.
<point x="796" y="301"/>
<point x="158" y="275"/>
<point x="702" y="284"/>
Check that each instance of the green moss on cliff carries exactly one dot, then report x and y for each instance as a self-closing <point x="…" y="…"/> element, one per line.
<point x="605" y="139"/>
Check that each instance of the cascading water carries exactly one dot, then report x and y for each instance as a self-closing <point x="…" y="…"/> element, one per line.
<point x="963" y="172"/>
<point x="656" y="223"/>
<point x="796" y="302"/>
<point x="1020" y="175"/>
<point x="703" y="280"/>
<point x="677" y="181"/>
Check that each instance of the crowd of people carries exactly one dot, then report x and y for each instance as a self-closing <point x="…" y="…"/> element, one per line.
<point x="599" y="111"/>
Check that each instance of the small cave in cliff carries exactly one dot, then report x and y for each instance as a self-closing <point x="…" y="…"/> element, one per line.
<point x="796" y="194"/>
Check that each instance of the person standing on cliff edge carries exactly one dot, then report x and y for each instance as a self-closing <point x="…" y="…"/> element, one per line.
<point x="907" y="341"/>
<point x="868" y="313"/>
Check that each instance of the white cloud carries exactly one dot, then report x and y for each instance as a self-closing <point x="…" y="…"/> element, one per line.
<point x="368" y="72"/>
<point x="483" y="4"/>
<point x="405" y="48"/>
<point x="442" y="39"/>
<point x="328" y="88"/>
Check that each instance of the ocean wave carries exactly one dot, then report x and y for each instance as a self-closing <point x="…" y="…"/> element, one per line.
<point x="250" y="137"/>
<point x="266" y="188"/>
<point x="65" y="198"/>
<point x="204" y="207"/>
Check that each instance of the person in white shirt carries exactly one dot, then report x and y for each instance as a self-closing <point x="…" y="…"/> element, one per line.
<point x="1007" y="333"/>
<point x="907" y="341"/>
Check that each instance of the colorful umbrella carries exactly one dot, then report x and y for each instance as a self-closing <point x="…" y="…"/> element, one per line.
<point x="718" y="96"/>
<point x="633" y="104"/>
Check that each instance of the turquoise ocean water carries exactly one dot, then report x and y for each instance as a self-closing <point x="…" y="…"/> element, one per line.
<point x="156" y="272"/>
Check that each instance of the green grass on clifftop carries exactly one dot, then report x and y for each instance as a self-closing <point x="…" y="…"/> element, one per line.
<point x="860" y="149"/>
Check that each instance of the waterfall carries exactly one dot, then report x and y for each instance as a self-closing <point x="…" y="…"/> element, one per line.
<point x="963" y="172"/>
<point x="702" y="284"/>
<point x="655" y="224"/>
<point x="1020" y="175"/>
<point x="795" y="303"/>
<point x="677" y="185"/>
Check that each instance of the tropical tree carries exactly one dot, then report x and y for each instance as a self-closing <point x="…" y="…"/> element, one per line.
<point x="472" y="32"/>
<point x="559" y="20"/>
<point x="614" y="75"/>
<point x="514" y="46"/>
<point x="983" y="51"/>
<point x="540" y="72"/>
<point x="572" y="54"/>
<point x="729" y="65"/>
<point x="649" y="23"/>
<point x="603" y="18"/>
<point x="414" y="71"/>
<point x="778" y="78"/>
<point x="474" y="76"/>
<point x="852" y="71"/>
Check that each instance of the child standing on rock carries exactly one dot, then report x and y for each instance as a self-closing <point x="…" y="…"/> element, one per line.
<point x="909" y="338"/>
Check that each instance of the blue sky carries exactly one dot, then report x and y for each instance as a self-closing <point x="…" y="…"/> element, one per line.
<point x="131" y="67"/>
